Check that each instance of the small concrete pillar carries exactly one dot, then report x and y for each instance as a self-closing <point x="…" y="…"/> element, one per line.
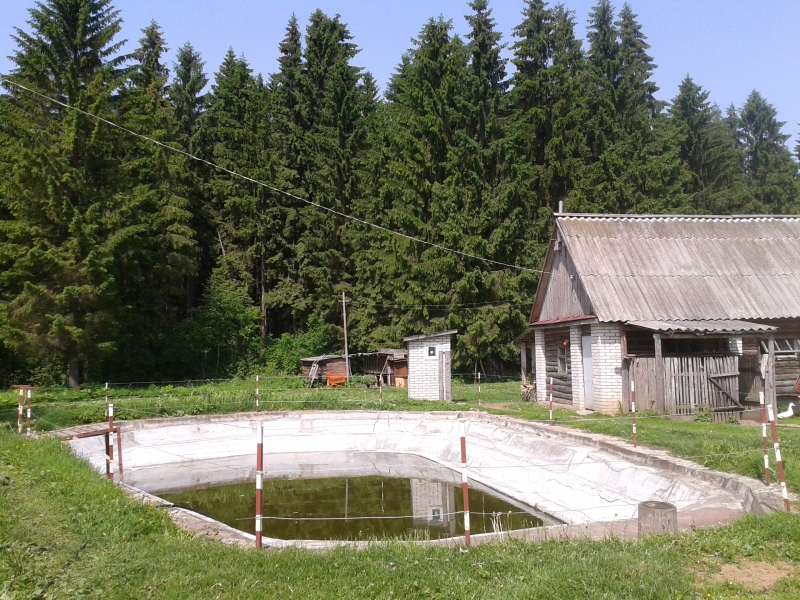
<point x="657" y="518"/>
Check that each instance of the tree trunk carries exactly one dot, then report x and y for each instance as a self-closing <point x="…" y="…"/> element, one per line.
<point x="74" y="375"/>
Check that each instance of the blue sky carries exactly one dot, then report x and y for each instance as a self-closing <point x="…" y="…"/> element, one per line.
<point x="730" y="47"/>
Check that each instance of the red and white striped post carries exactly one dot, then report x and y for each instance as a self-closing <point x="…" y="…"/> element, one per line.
<point x="551" y="401"/>
<point x="106" y="397"/>
<point x="778" y="459"/>
<point x="29" y="413"/>
<point x="479" y="388"/>
<point x="464" y="480"/>
<point x="259" y="480"/>
<point x="257" y="394"/>
<point x="110" y="449"/>
<point x="19" y="410"/>
<point x="380" y="390"/>
<point x="633" y="412"/>
<point x="764" y="436"/>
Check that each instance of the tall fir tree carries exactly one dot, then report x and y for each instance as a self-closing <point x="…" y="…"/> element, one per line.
<point x="152" y="267"/>
<point x="60" y="174"/>
<point x="706" y="149"/>
<point x="770" y="172"/>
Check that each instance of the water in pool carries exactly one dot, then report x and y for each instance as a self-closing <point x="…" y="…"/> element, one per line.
<point x="335" y="509"/>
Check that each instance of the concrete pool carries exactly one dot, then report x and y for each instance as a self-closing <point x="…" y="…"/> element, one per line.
<point x="578" y="483"/>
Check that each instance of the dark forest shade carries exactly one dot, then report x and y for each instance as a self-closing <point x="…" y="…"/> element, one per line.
<point x="120" y="260"/>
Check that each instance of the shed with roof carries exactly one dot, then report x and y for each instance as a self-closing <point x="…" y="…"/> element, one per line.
<point x="700" y="312"/>
<point x="429" y="365"/>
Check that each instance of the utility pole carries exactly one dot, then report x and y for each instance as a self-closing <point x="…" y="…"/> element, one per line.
<point x="346" y="353"/>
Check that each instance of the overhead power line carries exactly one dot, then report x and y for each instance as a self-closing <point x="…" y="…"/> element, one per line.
<point x="265" y="185"/>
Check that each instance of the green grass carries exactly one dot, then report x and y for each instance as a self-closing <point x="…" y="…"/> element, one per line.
<point x="65" y="532"/>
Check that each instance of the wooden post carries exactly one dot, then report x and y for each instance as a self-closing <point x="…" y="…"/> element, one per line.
<point x="657" y="518"/>
<point x="764" y="437"/>
<point x="778" y="459"/>
<point x="661" y="407"/>
<point x="259" y="480"/>
<point x="29" y="413"/>
<point x="633" y="412"/>
<point x="346" y="353"/>
<point x="769" y="384"/>
<point x="464" y="481"/>
<point x="110" y="441"/>
<point x="523" y="362"/>
<point x="19" y="410"/>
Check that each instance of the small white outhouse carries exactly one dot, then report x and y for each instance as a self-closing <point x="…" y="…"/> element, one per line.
<point x="429" y="372"/>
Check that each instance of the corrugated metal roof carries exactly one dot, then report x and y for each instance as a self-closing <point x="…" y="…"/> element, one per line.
<point x="411" y="338"/>
<point x="720" y="325"/>
<point x="668" y="268"/>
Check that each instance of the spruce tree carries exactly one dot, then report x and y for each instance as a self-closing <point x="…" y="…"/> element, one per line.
<point x="768" y="166"/>
<point x="152" y="267"/>
<point x="59" y="175"/>
<point x="186" y="90"/>
<point x="705" y="148"/>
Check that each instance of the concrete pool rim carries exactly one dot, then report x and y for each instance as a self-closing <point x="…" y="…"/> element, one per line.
<point x="755" y="498"/>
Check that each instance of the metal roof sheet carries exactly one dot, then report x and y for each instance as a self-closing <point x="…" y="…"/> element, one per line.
<point x="675" y="267"/>
<point x="429" y="335"/>
<point x="721" y="326"/>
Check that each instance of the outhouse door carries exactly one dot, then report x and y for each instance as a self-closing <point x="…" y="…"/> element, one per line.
<point x="445" y="389"/>
<point x="588" y="388"/>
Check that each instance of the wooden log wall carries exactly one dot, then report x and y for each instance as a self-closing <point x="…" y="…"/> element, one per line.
<point x="787" y="368"/>
<point x="562" y="382"/>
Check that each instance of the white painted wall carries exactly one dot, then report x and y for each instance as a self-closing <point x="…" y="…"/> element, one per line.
<point x="423" y="370"/>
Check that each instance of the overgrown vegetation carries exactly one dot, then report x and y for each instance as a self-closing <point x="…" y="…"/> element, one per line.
<point x="67" y="532"/>
<point x="121" y="260"/>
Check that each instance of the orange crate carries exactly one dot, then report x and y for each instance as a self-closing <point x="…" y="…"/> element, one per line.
<point x="336" y="379"/>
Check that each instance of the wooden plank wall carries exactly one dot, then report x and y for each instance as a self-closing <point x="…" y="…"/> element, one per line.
<point x="787" y="368"/>
<point x="562" y="382"/>
<point x="565" y="296"/>
<point x="686" y="384"/>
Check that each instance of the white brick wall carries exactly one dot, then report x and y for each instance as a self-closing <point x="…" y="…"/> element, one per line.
<point x="606" y="367"/>
<point x="423" y="371"/>
<point x="576" y="358"/>
<point x="541" y="367"/>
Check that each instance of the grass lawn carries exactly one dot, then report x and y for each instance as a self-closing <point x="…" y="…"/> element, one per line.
<point x="65" y="532"/>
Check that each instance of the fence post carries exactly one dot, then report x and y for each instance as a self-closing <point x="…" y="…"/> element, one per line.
<point x="479" y="388"/>
<point x="551" y="401"/>
<point x="259" y="480"/>
<point x="464" y="480"/>
<point x="380" y="390"/>
<point x="110" y="448"/>
<point x="778" y="459"/>
<point x="764" y="437"/>
<point x="633" y="412"/>
<point x="257" y="391"/>
<point x="29" y="413"/>
<point x="19" y="411"/>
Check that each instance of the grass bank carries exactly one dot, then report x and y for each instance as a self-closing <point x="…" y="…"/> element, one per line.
<point x="65" y="532"/>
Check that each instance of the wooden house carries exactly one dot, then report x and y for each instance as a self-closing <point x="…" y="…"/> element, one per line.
<point x="388" y="364"/>
<point x="699" y="312"/>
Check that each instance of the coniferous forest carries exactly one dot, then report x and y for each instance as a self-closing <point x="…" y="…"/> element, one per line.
<point x="121" y="259"/>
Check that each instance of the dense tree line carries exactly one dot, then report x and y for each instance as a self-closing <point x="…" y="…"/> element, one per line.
<point x="121" y="259"/>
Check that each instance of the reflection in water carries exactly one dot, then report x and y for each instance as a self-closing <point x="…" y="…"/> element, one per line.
<point x="360" y="508"/>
